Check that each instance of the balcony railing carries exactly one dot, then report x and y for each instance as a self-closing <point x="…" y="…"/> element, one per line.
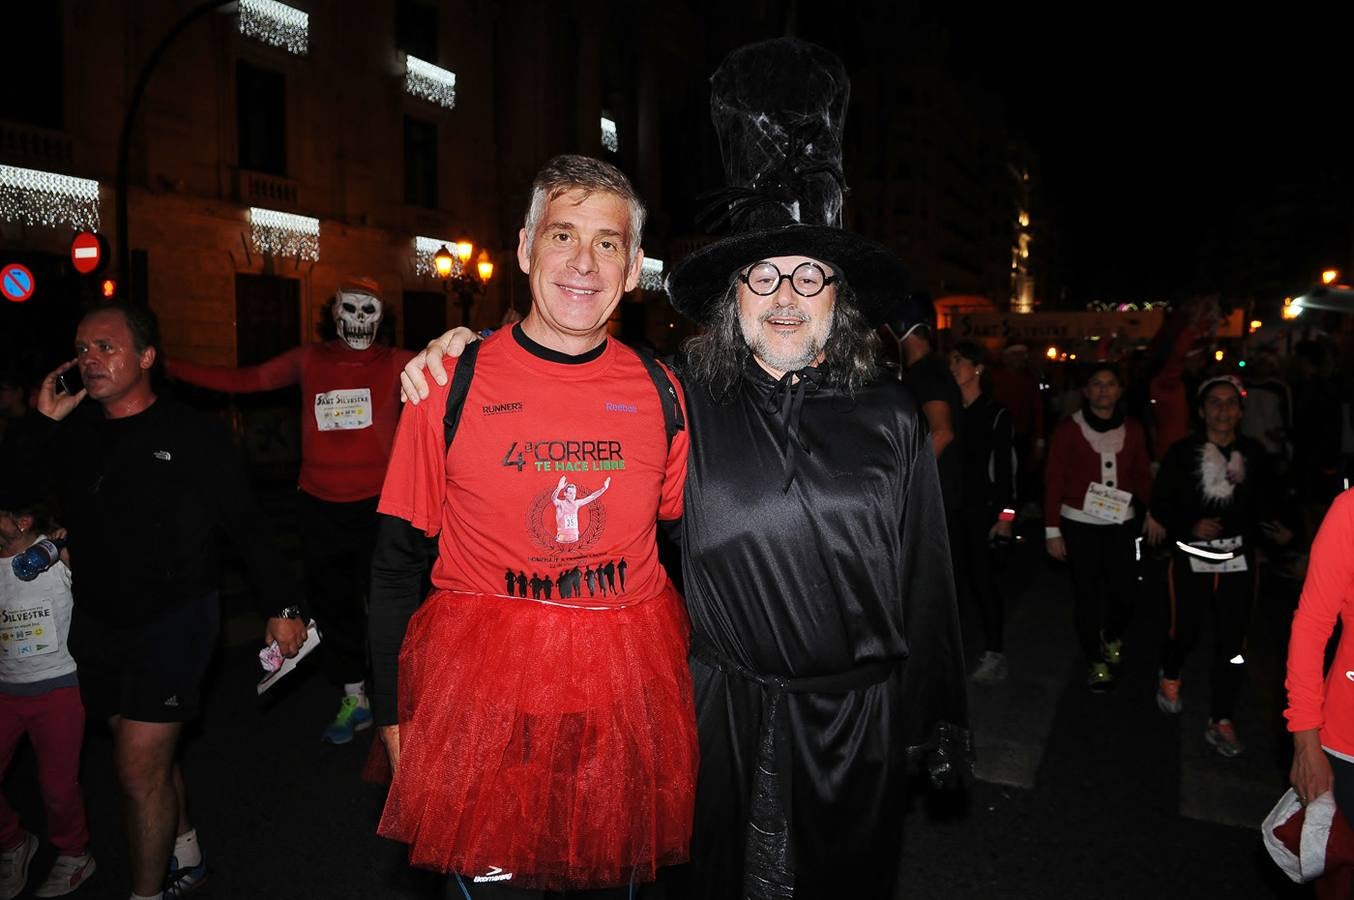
<point x="259" y="189"/>
<point x="43" y="147"/>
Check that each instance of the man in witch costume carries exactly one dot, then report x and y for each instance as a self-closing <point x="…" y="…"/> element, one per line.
<point x="825" y="641"/>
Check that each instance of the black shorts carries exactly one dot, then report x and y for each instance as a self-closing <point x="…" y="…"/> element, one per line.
<point x="151" y="672"/>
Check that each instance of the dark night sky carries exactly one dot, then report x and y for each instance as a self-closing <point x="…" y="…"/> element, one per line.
<point x="1178" y="154"/>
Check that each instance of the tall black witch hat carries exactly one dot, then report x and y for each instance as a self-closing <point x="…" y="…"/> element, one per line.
<point x="779" y="107"/>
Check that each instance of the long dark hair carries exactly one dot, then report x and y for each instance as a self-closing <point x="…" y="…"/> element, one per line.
<point x="715" y="359"/>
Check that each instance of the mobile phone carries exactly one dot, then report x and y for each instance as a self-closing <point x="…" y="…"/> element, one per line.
<point x="70" y="382"/>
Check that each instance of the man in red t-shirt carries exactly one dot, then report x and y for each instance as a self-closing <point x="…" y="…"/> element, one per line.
<point x="352" y="385"/>
<point x="544" y="734"/>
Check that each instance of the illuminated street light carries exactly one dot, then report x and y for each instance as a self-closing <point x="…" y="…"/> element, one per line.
<point x="1291" y="310"/>
<point x="450" y="266"/>
<point x="1330" y="276"/>
<point x="444" y="262"/>
<point x="1256" y="325"/>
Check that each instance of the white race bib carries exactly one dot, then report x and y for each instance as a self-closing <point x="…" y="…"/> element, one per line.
<point x="343" y="410"/>
<point x="1221" y="545"/>
<point x="27" y="628"/>
<point x="1107" y="503"/>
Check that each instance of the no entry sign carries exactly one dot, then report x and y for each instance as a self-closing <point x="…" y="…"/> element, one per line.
<point x="88" y="252"/>
<point x="16" y="283"/>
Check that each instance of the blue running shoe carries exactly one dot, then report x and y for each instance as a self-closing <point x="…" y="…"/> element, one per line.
<point x="182" y="882"/>
<point x="354" y="715"/>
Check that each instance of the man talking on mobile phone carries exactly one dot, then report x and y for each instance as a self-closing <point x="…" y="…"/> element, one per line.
<point x="147" y="487"/>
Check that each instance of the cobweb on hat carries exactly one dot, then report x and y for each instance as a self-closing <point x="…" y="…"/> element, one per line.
<point x="779" y="107"/>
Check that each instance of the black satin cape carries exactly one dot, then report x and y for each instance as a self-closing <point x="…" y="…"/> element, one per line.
<point x="825" y="637"/>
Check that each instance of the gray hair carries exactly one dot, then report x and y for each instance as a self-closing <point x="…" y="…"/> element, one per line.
<point x="572" y="172"/>
<point x="716" y="357"/>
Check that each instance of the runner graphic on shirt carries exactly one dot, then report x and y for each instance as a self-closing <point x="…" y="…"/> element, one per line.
<point x="567" y="504"/>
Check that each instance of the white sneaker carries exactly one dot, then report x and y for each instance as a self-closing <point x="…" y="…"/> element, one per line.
<point x="68" y="873"/>
<point x="992" y="669"/>
<point x="14" y="867"/>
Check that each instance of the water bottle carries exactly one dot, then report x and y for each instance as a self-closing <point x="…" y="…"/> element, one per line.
<point x="37" y="559"/>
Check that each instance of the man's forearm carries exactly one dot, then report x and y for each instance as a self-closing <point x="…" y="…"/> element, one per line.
<point x="940" y="440"/>
<point x="399" y="562"/>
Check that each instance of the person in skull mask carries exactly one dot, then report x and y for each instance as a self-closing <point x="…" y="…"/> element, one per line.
<point x="350" y="407"/>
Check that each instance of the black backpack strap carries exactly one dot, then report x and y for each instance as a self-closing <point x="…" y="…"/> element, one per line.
<point x="460" y="387"/>
<point x="673" y="421"/>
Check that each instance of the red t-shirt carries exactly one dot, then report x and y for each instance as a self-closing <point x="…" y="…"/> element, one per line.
<point x="350" y="404"/>
<point x="521" y="504"/>
<point x="1327" y="595"/>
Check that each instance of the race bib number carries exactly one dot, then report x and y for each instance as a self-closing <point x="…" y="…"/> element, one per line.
<point x="1107" y="503"/>
<point x="1221" y="545"/>
<point x="27" y="628"/>
<point x="343" y="410"/>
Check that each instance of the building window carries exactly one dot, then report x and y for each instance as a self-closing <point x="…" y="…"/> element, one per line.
<point x="267" y="317"/>
<point x="420" y="163"/>
<point x="261" y="118"/>
<point x="35" y="90"/>
<point x="416" y="28"/>
<point x="275" y="24"/>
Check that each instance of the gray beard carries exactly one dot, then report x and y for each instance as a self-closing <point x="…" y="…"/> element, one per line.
<point x="762" y="348"/>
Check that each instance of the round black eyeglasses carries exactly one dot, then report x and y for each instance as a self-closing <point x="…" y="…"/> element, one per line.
<point x="807" y="279"/>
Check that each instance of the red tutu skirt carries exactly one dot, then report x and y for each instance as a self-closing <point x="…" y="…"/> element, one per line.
<point x="551" y="744"/>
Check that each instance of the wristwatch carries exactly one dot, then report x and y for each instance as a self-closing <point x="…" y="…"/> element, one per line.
<point x="291" y="612"/>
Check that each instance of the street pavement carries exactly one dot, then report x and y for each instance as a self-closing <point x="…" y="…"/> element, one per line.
<point x="1077" y="795"/>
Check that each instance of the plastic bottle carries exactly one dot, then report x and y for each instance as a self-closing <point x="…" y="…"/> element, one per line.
<point x="37" y="559"/>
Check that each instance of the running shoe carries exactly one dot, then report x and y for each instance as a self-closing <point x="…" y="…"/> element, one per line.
<point x="68" y="873"/>
<point x="1099" y="678"/>
<point x="1221" y="733"/>
<point x="14" y="867"/>
<point x="1112" y="651"/>
<point x="354" y="715"/>
<point x="1168" y="695"/>
<point x="992" y="668"/>
<point x="181" y="882"/>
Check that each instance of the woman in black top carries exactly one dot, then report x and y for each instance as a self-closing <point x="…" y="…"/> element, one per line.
<point x="987" y="512"/>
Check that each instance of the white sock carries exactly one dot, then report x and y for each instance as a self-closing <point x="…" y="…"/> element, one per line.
<point x="357" y="689"/>
<point x="187" y="850"/>
<point x="159" y="896"/>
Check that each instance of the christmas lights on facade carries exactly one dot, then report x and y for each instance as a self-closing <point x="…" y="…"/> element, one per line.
<point x="276" y="24"/>
<point x="284" y="234"/>
<point x="37" y="198"/>
<point x="432" y="83"/>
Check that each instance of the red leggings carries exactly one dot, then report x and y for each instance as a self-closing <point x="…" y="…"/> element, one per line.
<point x="55" y="723"/>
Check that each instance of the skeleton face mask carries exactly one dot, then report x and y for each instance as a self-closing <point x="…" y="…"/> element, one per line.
<point x="357" y="316"/>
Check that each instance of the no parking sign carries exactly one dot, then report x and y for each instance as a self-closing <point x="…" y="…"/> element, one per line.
<point x="16" y="283"/>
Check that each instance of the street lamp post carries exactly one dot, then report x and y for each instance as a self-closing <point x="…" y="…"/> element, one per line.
<point x="451" y="267"/>
<point x="125" y="136"/>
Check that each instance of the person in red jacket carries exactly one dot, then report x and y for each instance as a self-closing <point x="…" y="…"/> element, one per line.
<point x="350" y="407"/>
<point x="1096" y="488"/>
<point x="1321" y="716"/>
